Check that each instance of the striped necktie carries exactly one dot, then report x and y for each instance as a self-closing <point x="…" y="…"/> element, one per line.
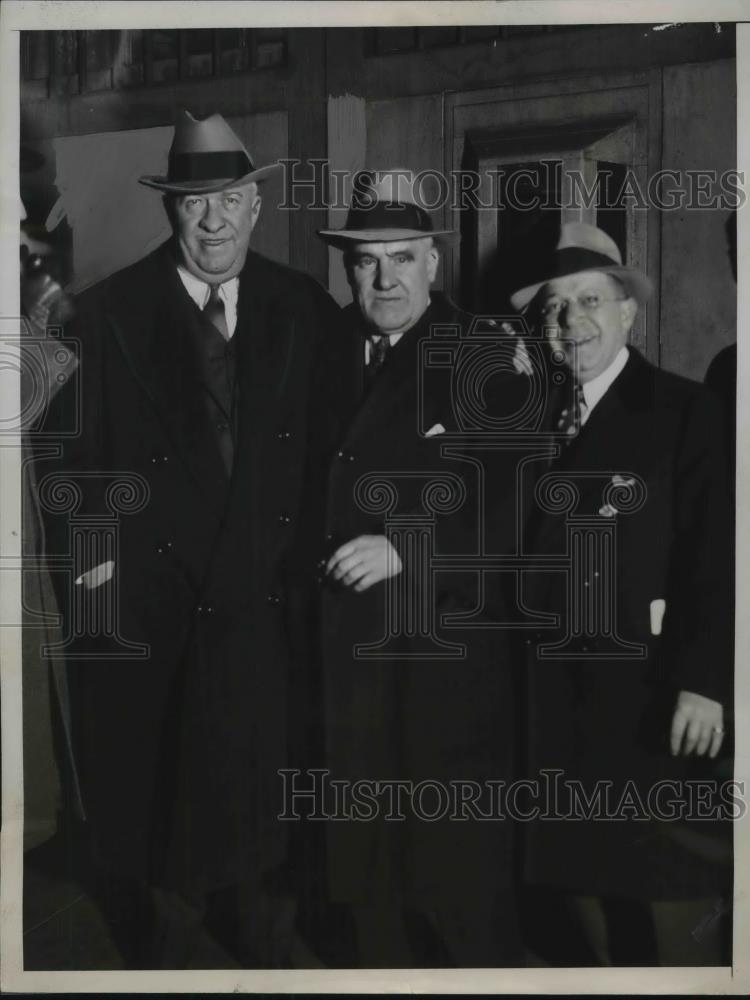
<point x="569" y="421"/>
<point x="379" y="347"/>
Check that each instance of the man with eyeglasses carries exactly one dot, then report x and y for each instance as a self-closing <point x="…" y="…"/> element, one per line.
<point x="624" y="692"/>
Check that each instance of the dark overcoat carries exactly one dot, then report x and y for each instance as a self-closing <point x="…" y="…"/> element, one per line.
<point x="178" y="749"/>
<point x="600" y="709"/>
<point x="443" y="717"/>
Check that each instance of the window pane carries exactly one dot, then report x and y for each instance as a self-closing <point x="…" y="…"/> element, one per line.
<point x="100" y="47"/>
<point x="233" y="50"/>
<point x="391" y="40"/>
<point x="477" y="33"/>
<point x="164" y="55"/>
<point x="270" y="47"/>
<point x="65" y="48"/>
<point x="34" y="55"/>
<point x="430" y="37"/>
<point x="199" y="45"/>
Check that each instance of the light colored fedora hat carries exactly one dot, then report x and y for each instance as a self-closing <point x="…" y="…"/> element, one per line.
<point x="583" y="247"/>
<point x="384" y="209"/>
<point x="206" y="156"/>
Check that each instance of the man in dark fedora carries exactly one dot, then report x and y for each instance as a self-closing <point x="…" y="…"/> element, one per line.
<point x="626" y="689"/>
<point x="417" y="892"/>
<point x="201" y="375"/>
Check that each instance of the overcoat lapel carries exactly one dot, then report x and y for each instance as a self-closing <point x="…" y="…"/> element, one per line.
<point x="601" y="436"/>
<point x="267" y="332"/>
<point x="396" y="379"/>
<point x="154" y="337"/>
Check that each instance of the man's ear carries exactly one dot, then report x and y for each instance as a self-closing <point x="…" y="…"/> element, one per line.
<point x="255" y="210"/>
<point x="433" y="259"/>
<point x="628" y="310"/>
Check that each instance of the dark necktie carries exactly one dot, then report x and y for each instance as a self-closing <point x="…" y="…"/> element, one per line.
<point x="379" y="348"/>
<point x="569" y="421"/>
<point x="214" y="311"/>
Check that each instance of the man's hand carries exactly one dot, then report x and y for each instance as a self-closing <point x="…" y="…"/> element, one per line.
<point x="697" y="725"/>
<point x="364" y="561"/>
<point x="521" y="359"/>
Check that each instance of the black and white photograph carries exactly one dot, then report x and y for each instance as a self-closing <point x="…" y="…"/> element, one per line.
<point x="371" y="507"/>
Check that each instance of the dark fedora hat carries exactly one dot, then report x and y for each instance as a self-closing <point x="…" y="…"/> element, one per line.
<point x="206" y="156"/>
<point x="583" y="247"/>
<point x="383" y="209"/>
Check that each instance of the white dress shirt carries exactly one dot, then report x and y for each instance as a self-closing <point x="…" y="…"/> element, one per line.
<point x="199" y="291"/>
<point x="595" y="389"/>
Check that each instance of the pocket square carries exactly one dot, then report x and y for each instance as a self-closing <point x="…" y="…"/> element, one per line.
<point x="435" y="429"/>
<point x="657" y="609"/>
<point x="95" y="577"/>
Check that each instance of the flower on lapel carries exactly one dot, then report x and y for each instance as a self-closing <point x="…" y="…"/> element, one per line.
<point x="609" y="510"/>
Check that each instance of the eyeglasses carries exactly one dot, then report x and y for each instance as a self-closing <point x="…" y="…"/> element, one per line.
<point x="551" y="309"/>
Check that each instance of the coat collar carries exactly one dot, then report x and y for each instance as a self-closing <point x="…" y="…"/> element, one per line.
<point x="400" y="370"/>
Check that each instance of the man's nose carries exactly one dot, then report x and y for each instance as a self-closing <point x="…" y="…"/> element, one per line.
<point x="384" y="276"/>
<point x="570" y="310"/>
<point x="213" y="218"/>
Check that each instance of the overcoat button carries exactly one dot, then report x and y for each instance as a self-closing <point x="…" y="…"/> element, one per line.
<point x="273" y="599"/>
<point x="205" y="609"/>
<point x="284" y="435"/>
<point x="284" y="519"/>
<point x="163" y="547"/>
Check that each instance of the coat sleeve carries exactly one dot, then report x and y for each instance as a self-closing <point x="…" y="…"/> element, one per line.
<point x="698" y="634"/>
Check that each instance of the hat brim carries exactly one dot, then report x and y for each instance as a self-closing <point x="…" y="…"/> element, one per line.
<point x="344" y="238"/>
<point x="638" y="285"/>
<point x="208" y="186"/>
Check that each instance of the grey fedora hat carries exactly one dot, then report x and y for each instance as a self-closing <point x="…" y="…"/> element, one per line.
<point x="583" y="247"/>
<point x="206" y="156"/>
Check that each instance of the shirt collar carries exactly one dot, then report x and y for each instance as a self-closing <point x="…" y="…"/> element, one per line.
<point x="595" y="389"/>
<point x="199" y="290"/>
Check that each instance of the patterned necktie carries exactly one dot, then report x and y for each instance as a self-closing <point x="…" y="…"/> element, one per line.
<point x="379" y="348"/>
<point x="214" y="311"/>
<point x="569" y="421"/>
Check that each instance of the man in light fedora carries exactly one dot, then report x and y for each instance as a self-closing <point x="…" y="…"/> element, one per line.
<point x="627" y="690"/>
<point x="202" y="369"/>
<point x="418" y="893"/>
